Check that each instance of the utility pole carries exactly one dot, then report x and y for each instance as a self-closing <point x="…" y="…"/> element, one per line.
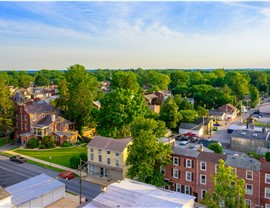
<point x="80" y="180"/>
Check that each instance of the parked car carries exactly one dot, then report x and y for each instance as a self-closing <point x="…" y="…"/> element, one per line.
<point x="258" y="113"/>
<point x="18" y="159"/>
<point x="67" y="175"/>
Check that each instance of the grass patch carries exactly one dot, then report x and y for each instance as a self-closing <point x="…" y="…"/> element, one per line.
<point x="3" y="141"/>
<point x="44" y="166"/>
<point x="60" y="156"/>
<point x="5" y="154"/>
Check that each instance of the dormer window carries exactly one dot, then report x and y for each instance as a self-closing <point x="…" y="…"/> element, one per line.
<point x="34" y="117"/>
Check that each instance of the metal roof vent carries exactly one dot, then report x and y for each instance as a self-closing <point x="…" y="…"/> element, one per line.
<point x="254" y="134"/>
<point x="244" y="133"/>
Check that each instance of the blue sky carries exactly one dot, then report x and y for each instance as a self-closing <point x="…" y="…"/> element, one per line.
<point x="58" y="34"/>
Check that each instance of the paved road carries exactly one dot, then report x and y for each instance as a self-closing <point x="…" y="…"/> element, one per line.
<point x="12" y="173"/>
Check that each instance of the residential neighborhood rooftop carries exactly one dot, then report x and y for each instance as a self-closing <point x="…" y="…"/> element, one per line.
<point x="243" y="162"/>
<point x="244" y="133"/>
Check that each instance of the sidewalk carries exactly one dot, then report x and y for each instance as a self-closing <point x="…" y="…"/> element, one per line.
<point x="84" y="175"/>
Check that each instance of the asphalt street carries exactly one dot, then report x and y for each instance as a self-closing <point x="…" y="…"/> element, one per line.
<point x="12" y="173"/>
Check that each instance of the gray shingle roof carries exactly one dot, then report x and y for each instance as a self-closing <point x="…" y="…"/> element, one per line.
<point x="211" y="157"/>
<point x="215" y="113"/>
<point x="247" y="134"/>
<point x="107" y="143"/>
<point x="186" y="152"/>
<point x="192" y="126"/>
<point x="244" y="162"/>
<point x="40" y="108"/>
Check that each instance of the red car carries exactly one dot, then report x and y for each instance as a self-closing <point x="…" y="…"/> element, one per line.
<point x="67" y="175"/>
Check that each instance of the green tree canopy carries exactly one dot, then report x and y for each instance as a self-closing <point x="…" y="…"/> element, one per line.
<point x="42" y="80"/>
<point x="169" y="113"/>
<point x="125" y="80"/>
<point x="146" y="154"/>
<point x="185" y="105"/>
<point x="77" y="94"/>
<point x="229" y="190"/>
<point x="188" y="116"/>
<point x="6" y="108"/>
<point x="118" y="110"/>
<point x="216" y="147"/>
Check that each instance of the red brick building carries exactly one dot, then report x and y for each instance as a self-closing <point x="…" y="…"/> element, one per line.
<point x="37" y="120"/>
<point x="265" y="184"/>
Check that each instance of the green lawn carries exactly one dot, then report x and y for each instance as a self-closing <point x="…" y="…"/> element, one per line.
<point x="60" y="156"/>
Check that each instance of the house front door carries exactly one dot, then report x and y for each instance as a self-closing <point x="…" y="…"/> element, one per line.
<point x="103" y="172"/>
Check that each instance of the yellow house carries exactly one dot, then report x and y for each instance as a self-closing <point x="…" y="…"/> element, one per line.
<point x="107" y="157"/>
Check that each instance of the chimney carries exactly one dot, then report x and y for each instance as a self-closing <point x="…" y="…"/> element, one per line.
<point x="200" y="149"/>
<point x="53" y="117"/>
<point x="262" y="159"/>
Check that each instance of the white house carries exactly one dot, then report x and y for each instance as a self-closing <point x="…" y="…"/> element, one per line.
<point x="130" y="193"/>
<point x="39" y="191"/>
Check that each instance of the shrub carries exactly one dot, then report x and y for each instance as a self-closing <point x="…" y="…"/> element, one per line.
<point x="65" y="144"/>
<point x="74" y="162"/>
<point x="32" y="143"/>
<point x="48" y="142"/>
<point x="216" y="147"/>
<point x="83" y="156"/>
<point x="42" y="146"/>
<point x="267" y="156"/>
<point x="255" y="155"/>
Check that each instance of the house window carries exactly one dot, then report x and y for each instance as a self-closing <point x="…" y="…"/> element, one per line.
<point x="50" y="128"/>
<point x="249" y="175"/>
<point x="267" y="205"/>
<point x="117" y="154"/>
<point x="175" y="173"/>
<point x="267" y="193"/>
<point x="56" y="138"/>
<point x="21" y="117"/>
<point x="21" y="125"/>
<point x="178" y="187"/>
<point x="91" y="150"/>
<point x="203" y="192"/>
<point x="162" y="170"/>
<point x="43" y="115"/>
<point x="17" y="124"/>
<point x="175" y="160"/>
<point x="108" y="161"/>
<point x="248" y="203"/>
<point x="117" y="163"/>
<point x="99" y="151"/>
<point x="187" y="189"/>
<point x="61" y="127"/>
<point x="34" y="117"/>
<point x="267" y="178"/>
<point x="25" y="117"/>
<point x="216" y="168"/>
<point x="203" y="166"/>
<point x="16" y="116"/>
<point x="108" y="152"/>
<point x="234" y="170"/>
<point x="20" y="110"/>
<point x="92" y="156"/>
<point x="66" y="127"/>
<point x="203" y="179"/>
<point x="189" y="163"/>
<point x="188" y="176"/>
<point x="100" y="158"/>
<point x="249" y="189"/>
<point x="25" y="126"/>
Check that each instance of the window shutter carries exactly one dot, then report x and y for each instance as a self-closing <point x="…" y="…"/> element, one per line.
<point x="172" y="172"/>
<point x="184" y="162"/>
<point x="182" y="189"/>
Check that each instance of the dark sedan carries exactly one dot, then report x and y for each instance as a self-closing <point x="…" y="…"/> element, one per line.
<point x="18" y="159"/>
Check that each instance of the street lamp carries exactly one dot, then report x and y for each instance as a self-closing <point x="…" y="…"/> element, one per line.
<point x="66" y="183"/>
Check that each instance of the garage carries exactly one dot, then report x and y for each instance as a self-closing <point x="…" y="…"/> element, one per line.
<point x="39" y="191"/>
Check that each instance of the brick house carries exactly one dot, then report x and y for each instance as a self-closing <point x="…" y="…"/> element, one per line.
<point x="265" y="183"/>
<point x="229" y="110"/>
<point x="37" y="120"/>
<point x="248" y="169"/>
<point x="207" y="164"/>
<point x="181" y="174"/>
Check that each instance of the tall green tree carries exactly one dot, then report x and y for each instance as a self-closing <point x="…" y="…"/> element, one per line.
<point x="77" y="95"/>
<point x="169" y="113"/>
<point x="179" y="78"/>
<point x="24" y="79"/>
<point x="146" y="154"/>
<point x="229" y="190"/>
<point x="42" y="80"/>
<point x="188" y="116"/>
<point x="125" y="80"/>
<point x="6" y="108"/>
<point x="118" y="110"/>
<point x="254" y="95"/>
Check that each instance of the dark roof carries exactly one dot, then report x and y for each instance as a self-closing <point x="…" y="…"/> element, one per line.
<point x="201" y="121"/>
<point x="215" y="113"/>
<point x="185" y="152"/>
<point x="46" y="121"/>
<point x="192" y="126"/>
<point x="106" y="143"/>
<point x="247" y="134"/>
<point x="244" y="162"/>
<point x="211" y="157"/>
<point x="40" y="108"/>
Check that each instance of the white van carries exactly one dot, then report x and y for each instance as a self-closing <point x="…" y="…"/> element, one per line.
<point x="244" y="109"/>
